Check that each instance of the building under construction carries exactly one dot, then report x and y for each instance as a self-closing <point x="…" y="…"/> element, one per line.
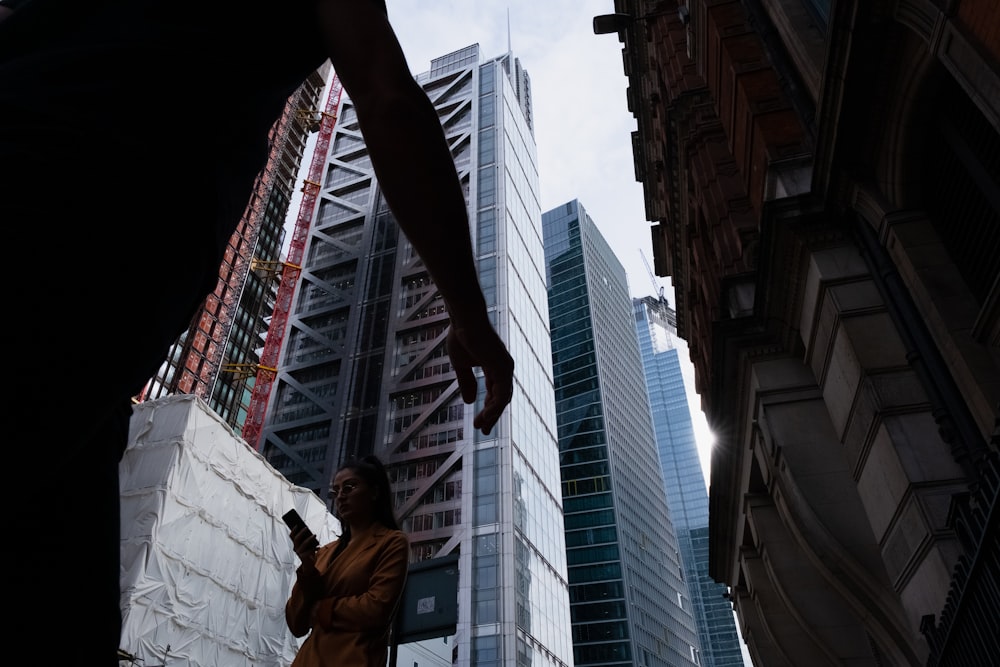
<point x="217" y="358"/>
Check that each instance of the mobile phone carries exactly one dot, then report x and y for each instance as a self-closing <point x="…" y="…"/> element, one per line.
<point x="292" y="519"/>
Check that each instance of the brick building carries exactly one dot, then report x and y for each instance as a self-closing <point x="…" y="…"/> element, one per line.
<point x="823" y="183"/>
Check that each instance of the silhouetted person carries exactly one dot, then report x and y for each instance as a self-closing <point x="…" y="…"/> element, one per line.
<point x="131" y="132"/>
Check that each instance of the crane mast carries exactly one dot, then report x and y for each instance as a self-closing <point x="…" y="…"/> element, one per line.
<point x="658" y="289"/>
<point x="268" y="368"/>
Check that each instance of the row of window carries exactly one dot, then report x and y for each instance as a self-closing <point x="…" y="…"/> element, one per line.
<point x="445" y="415"/>
<point x="433" y="520"/>
<point x="413" y="471"/>
<point x="417" y="397"/>
<point x="435" y="439"/>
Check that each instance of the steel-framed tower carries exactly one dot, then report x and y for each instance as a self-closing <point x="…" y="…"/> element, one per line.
<point x="364" y="367"/>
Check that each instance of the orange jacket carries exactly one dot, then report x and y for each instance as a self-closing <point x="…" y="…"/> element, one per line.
<point x="355" y="596"/>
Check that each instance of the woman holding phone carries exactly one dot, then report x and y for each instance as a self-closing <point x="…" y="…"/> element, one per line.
<point x="346" y="592"/>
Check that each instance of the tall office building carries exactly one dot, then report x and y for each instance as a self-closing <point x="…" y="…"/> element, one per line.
<point x="630" y="604"/>
<point x="364" y="368"/>
<point x="216" y="358"/>
<point x="656" y="329"/>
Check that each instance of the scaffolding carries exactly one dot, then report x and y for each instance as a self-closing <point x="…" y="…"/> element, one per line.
<point x="290" y="272"/>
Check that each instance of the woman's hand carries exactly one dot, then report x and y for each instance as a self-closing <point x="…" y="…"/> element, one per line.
<point x="305" y="544"/>
<point x="313" y="614"/>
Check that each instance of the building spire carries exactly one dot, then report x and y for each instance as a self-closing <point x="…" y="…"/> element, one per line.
<point x="509" y="50"/>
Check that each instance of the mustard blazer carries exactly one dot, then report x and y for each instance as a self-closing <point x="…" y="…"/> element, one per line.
<point x="355" y="596"/>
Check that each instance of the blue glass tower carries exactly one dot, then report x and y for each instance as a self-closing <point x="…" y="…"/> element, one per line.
<point x="628" y="603"/>
<point x="687" y="495"/>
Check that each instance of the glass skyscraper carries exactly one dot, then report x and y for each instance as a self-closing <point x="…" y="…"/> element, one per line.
<point x="656" y="328"/>
<point x="364" y="368"/>
<point x="629" y="602"/>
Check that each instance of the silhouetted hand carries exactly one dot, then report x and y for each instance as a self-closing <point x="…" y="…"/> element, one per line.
<point x="482" y="347"/>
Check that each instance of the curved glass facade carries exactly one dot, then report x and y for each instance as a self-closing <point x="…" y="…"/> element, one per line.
<point x="629" y="604"/>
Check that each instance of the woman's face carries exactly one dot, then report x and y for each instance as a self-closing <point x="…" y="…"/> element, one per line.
<point x="353" y="498"/>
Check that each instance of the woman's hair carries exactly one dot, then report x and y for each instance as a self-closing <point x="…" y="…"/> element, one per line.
<point x="372" y="472"/>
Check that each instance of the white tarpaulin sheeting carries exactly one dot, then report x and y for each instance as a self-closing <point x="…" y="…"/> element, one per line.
<point x="206" y="560"/>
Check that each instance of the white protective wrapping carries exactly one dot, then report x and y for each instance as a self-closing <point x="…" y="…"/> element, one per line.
<point x="206" y="560"/>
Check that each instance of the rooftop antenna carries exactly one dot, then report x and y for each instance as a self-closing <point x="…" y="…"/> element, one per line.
<point x="508" y="30"/>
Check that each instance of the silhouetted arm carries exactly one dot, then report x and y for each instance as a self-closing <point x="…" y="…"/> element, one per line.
<point x="416" y="172"/>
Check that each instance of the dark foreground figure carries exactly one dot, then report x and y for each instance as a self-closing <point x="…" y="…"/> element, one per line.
<point x="131" y="132"/>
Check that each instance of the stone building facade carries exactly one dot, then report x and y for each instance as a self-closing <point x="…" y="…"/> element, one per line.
<point x="823" y="183"/>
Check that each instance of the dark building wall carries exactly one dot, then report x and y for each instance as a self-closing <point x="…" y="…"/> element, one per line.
<point x="981" y="20"/>
<point x="825" y="179"/>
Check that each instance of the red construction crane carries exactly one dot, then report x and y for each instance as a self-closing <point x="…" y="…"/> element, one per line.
<point x="268" y="367"/>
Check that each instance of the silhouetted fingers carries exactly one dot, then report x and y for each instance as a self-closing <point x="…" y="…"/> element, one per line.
<point x="499" y="392"/>
<point x="467" y="383"/>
